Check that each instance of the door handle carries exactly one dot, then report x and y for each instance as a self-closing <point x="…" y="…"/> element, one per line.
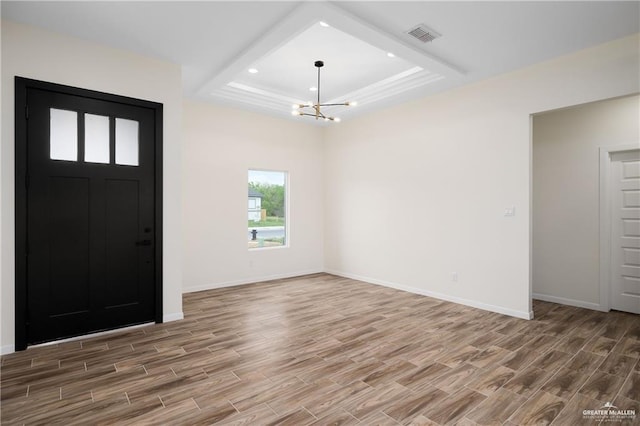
<point x="143" y="243"/>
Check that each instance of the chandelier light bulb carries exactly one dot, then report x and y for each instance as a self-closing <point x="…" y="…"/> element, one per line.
<point x="336" y="119"/>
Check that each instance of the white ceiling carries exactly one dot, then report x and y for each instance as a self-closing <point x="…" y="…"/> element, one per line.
<point x="217" y="42"/>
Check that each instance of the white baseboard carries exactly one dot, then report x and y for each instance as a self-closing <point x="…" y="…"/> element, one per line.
<point x="7" y="349"/>
<point x="234" y="283"/>
<point x="176" y="316"/>
<point x="569" y="302"/>
<point x="448" y="298"/>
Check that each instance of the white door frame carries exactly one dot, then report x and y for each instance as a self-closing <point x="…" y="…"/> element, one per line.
<point x="605" y="220"/>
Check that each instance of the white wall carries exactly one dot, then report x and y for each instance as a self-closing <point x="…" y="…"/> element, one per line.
<point x="416" y="192"/>
<point x="38" y="54"/>
<point x="221" y="145"/>
<point x="566" y="250"/>
<point x="401" y="197"/>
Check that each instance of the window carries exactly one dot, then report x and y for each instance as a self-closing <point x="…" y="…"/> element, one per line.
<point x="63" y="144"/>
<point x="126" y="142"/>
<point x="267" y="195"/>
<point x="96" y="138"/>
<point x="63" y="135"/>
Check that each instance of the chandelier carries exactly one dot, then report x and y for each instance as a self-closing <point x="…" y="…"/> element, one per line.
<point x="314" y="110"/>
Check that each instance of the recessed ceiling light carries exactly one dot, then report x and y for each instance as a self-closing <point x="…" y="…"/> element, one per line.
<point x="391" y="55"/>
<point x="253" y="70"/>
<point x="323" y="24"/>
<point x="313" y="89"/>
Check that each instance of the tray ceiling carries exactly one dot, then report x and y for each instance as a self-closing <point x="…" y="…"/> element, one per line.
<point x="217" y="42"/>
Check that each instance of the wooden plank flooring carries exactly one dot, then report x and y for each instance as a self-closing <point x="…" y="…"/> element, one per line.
<point x="325" y="350"/>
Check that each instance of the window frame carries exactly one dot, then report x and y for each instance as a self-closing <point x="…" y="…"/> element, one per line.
<point x="287" y="208"/>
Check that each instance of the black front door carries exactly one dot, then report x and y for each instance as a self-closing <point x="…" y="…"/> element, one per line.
<point x="91" y="225"/>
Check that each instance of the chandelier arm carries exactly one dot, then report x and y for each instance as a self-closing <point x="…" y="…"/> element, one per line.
<point x="317" y="113"/>
<point x="342" y="104"/>
<point x="322" y="116"/>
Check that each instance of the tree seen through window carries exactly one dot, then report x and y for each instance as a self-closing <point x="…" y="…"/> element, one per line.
<point x="266" y="208"/>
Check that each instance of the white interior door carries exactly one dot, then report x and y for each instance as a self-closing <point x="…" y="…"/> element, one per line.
<point x="625" y="231"/>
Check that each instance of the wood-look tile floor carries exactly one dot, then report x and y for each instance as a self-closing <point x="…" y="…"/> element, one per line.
<point x="326" y="350"/>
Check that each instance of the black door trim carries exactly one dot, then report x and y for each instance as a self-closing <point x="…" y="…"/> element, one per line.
<point x="21" y="181"/>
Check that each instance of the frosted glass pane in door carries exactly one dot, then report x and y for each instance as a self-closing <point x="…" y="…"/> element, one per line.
<point x="96" y="138"/>
<point x="63" y="136"/>
<point x="126" y="142"/>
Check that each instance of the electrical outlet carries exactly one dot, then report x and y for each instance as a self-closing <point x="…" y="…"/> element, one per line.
<point x="454" y="276"/>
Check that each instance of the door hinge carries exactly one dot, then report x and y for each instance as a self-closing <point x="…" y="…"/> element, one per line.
<point x="26" y="112"/>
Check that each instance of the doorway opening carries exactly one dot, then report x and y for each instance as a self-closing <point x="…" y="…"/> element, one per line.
<point x="569" y="149"/>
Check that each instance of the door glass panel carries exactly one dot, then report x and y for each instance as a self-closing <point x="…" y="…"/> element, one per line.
<point x="126" y="142"/>
<point x="63" y="137"/>
<point x="96" y="138"/>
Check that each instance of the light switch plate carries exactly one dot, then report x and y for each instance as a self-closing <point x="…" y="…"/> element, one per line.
<point x="510" y="211"/>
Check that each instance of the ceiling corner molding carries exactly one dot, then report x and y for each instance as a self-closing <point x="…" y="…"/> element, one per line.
<point x="254" y="96"/>
<point x="293" y="24"/>
<point x="304" y="16"/>
<point x="392" y="86"/>
<point x="362" y="29"/>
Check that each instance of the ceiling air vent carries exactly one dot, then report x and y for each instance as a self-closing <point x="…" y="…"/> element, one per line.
<point x="423" y="33"/>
